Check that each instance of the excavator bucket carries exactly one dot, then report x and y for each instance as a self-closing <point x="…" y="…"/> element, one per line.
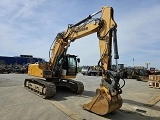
<point x="103" y="103"/>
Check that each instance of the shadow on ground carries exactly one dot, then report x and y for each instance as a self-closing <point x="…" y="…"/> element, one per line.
<point x="128" y="115"/>
<point x="132" y="102"/>
<point x="62" y="93"/>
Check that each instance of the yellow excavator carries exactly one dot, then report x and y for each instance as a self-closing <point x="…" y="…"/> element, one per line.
<point x="62" y="67"/>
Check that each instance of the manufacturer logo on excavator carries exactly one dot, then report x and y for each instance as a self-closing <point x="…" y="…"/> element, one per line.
<point x="81" y="29"/>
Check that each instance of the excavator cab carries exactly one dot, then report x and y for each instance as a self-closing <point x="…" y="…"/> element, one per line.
<point x="69" y="65"/>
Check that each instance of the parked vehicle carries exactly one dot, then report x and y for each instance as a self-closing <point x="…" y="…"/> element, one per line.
<point x="85" y="69"/>
<point x="91" y="70"/>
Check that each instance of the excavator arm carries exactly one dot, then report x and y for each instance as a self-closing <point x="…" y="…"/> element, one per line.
<point x="107" y="97"/>
<point x="104" y="26"/>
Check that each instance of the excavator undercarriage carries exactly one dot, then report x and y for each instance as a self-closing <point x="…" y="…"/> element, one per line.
<point x="47" y="89"/>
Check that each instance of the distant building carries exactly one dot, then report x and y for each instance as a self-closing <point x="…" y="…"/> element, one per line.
<point x="20" y="60"/>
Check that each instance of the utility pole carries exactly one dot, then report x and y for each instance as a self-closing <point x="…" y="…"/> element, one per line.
<point x="133" y="62"/>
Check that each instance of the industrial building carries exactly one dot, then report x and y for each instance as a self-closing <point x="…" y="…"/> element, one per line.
<point x="20" y="60"/>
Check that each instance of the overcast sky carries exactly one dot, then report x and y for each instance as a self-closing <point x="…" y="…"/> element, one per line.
<point x="30" y="26"/>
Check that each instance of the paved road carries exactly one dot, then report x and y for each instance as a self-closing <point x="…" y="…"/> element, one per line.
<point x="16" y="103"/>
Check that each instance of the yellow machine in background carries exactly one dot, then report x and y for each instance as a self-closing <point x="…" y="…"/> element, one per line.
<point x="62" y="66"/>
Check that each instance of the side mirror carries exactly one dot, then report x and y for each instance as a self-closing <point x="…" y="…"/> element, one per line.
<point x="78" y="60"/>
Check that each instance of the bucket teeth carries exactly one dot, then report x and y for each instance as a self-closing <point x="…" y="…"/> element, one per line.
<point x="103" y="103"/>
